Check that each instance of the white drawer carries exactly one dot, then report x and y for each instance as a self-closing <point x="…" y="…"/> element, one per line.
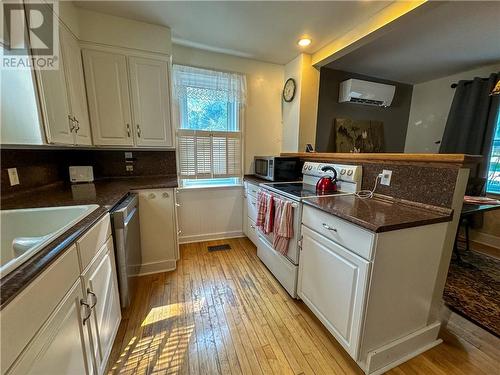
<point x="26" y="313"/>
<point x="251" y="189"/>
<point x="90" y="243"/>
<point x="358" y="240"/>
<point x="252" y="232"/>
<point x="252" y="208"/>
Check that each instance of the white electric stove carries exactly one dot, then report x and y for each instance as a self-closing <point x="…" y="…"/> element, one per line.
<point x="286" y="267"/>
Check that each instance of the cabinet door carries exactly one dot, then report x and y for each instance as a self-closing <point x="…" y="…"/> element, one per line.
<point x="149" y="82"/>
<point x="76" y="86"/>
<point x="158" y="230"/>
<point x="108" y="96"/>
<point x="332" y="282"/>
<point x="100" y="280"/>
<point x="60" y="347"/>
<point x="55" y="105"/>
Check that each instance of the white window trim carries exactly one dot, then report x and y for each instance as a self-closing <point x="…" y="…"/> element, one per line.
<point x="176" y="116"/>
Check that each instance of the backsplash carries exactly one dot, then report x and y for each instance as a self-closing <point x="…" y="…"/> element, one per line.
<point x="41" y="167"/>
<point x="412" y="182"/>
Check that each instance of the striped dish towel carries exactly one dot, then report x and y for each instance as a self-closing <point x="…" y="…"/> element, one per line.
<point x="265" y="211"/>
<point x="283" y="225"/>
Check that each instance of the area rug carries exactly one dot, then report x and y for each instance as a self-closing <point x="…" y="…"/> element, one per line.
<point x="473" y="289"/>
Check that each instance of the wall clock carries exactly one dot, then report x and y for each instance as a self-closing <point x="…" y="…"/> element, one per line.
<point x="289" y="90"/>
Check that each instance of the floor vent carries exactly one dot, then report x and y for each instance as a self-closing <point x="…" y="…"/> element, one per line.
<point x="219" y="247"/>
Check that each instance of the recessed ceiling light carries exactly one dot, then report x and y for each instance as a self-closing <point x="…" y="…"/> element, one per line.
<point x="304" y="42"/>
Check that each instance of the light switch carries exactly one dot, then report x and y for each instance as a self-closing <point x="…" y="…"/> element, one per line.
<point x="13" y="177"/>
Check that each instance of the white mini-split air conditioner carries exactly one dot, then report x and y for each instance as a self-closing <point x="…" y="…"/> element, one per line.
<point x="366" y="92"/>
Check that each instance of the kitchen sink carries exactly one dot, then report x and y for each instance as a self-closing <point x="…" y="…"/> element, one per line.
<point x="24" y="232"/>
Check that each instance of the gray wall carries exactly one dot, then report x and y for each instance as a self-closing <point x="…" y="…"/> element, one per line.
<point x="395" y="117"/>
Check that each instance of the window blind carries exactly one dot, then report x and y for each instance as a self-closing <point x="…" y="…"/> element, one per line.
<point x="204" y="154"/>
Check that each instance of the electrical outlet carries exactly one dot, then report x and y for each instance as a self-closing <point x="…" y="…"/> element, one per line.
<point x="386" y="177"/>
<point x="13" y="177"/>
<point x="129" y="168"/>
<point x="128" y="155"/>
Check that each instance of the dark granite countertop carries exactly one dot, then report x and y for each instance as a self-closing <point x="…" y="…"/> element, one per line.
<point x="254" y="179"/>
<point x="106" y="193"/>
<point x="380" y="214"/>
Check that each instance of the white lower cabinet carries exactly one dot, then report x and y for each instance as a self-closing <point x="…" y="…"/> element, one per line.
<point x="99" y="282"/>
<point x="158" y="222"/>
<point x="66" y="320"/>
<point x="61" y="346"/>
<point x="333" y="283"/>
<point x="372" y="291"/>
<point x="250" y="212"/>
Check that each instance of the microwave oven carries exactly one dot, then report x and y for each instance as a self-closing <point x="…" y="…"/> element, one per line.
<point x="278" y="168"/>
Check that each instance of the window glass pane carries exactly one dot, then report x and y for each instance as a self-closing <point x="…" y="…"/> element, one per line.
<point x="494" y="167"/>
<point x="208" y="110"/>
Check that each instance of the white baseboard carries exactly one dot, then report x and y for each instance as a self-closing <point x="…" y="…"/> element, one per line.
<point x="210" y="237"/>
<point x="393" y="354"/>
<point x="157" y="267"/>
<point x="485" y="239"/>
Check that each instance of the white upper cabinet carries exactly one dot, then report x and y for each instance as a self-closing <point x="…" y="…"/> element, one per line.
<point x="129" y="98"/>
<point x="108" y="94"/>
<point x="55" y="105"/>
<point x="76" y="87"/>
<point x="150" y="101"/>
<point x="62" y="95"/>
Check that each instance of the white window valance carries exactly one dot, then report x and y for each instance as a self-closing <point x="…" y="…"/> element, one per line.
<point x="209" y="84"/>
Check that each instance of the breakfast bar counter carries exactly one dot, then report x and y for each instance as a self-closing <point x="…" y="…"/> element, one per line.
<point x="380" y="214"/>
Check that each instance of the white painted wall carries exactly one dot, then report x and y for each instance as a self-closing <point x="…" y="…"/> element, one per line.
<point x="262" y="132"/>
<point x="211" y="213"/>
<point x="94" y="27"/>
<point x="300" y="115"/>
<point x="291" y="110"/>
<point x="430" y="105"/>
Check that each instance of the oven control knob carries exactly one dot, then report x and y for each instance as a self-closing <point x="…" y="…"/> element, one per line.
<point x="309" y="167"/>
<point x="349" y="172"/>
<point x="342" y="171"/>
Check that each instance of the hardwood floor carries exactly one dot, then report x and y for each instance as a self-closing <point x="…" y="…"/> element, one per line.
<point x="223" y="312"/>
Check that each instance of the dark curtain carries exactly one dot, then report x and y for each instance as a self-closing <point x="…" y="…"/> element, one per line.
<point x="471" y="122"/>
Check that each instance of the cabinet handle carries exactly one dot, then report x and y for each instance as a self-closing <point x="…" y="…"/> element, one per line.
<point x="179" y="232"/>
<point x="138" y="131"/>
<point x="93" y="296"/>
<point x="326" y="226"/>
<point x="128" y="130"/>
<point x="177" y="205"/>
<point x="77" y="124"/>
<point x="71" y="123"/>
<point x="254" y="204"/>
<point x="252" y="226"/>
<point x="88" y="311"/>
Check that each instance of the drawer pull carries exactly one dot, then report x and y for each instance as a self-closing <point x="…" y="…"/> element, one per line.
<point x="254" y="204"/>
<point x="326" y="226"/>
<point x="252" y="226"/>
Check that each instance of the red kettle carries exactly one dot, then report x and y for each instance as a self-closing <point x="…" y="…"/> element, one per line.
<point x="327" y="184"/>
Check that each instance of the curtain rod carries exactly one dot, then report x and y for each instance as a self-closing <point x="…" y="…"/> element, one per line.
<point x="454" y="85"/>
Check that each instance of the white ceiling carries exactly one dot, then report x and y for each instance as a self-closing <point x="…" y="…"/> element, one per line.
<point x="448" y="39"/>
<point x="262" y="30"/>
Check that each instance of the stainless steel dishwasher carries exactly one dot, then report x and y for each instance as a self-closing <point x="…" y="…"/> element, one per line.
<point x="127" y="236"/>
